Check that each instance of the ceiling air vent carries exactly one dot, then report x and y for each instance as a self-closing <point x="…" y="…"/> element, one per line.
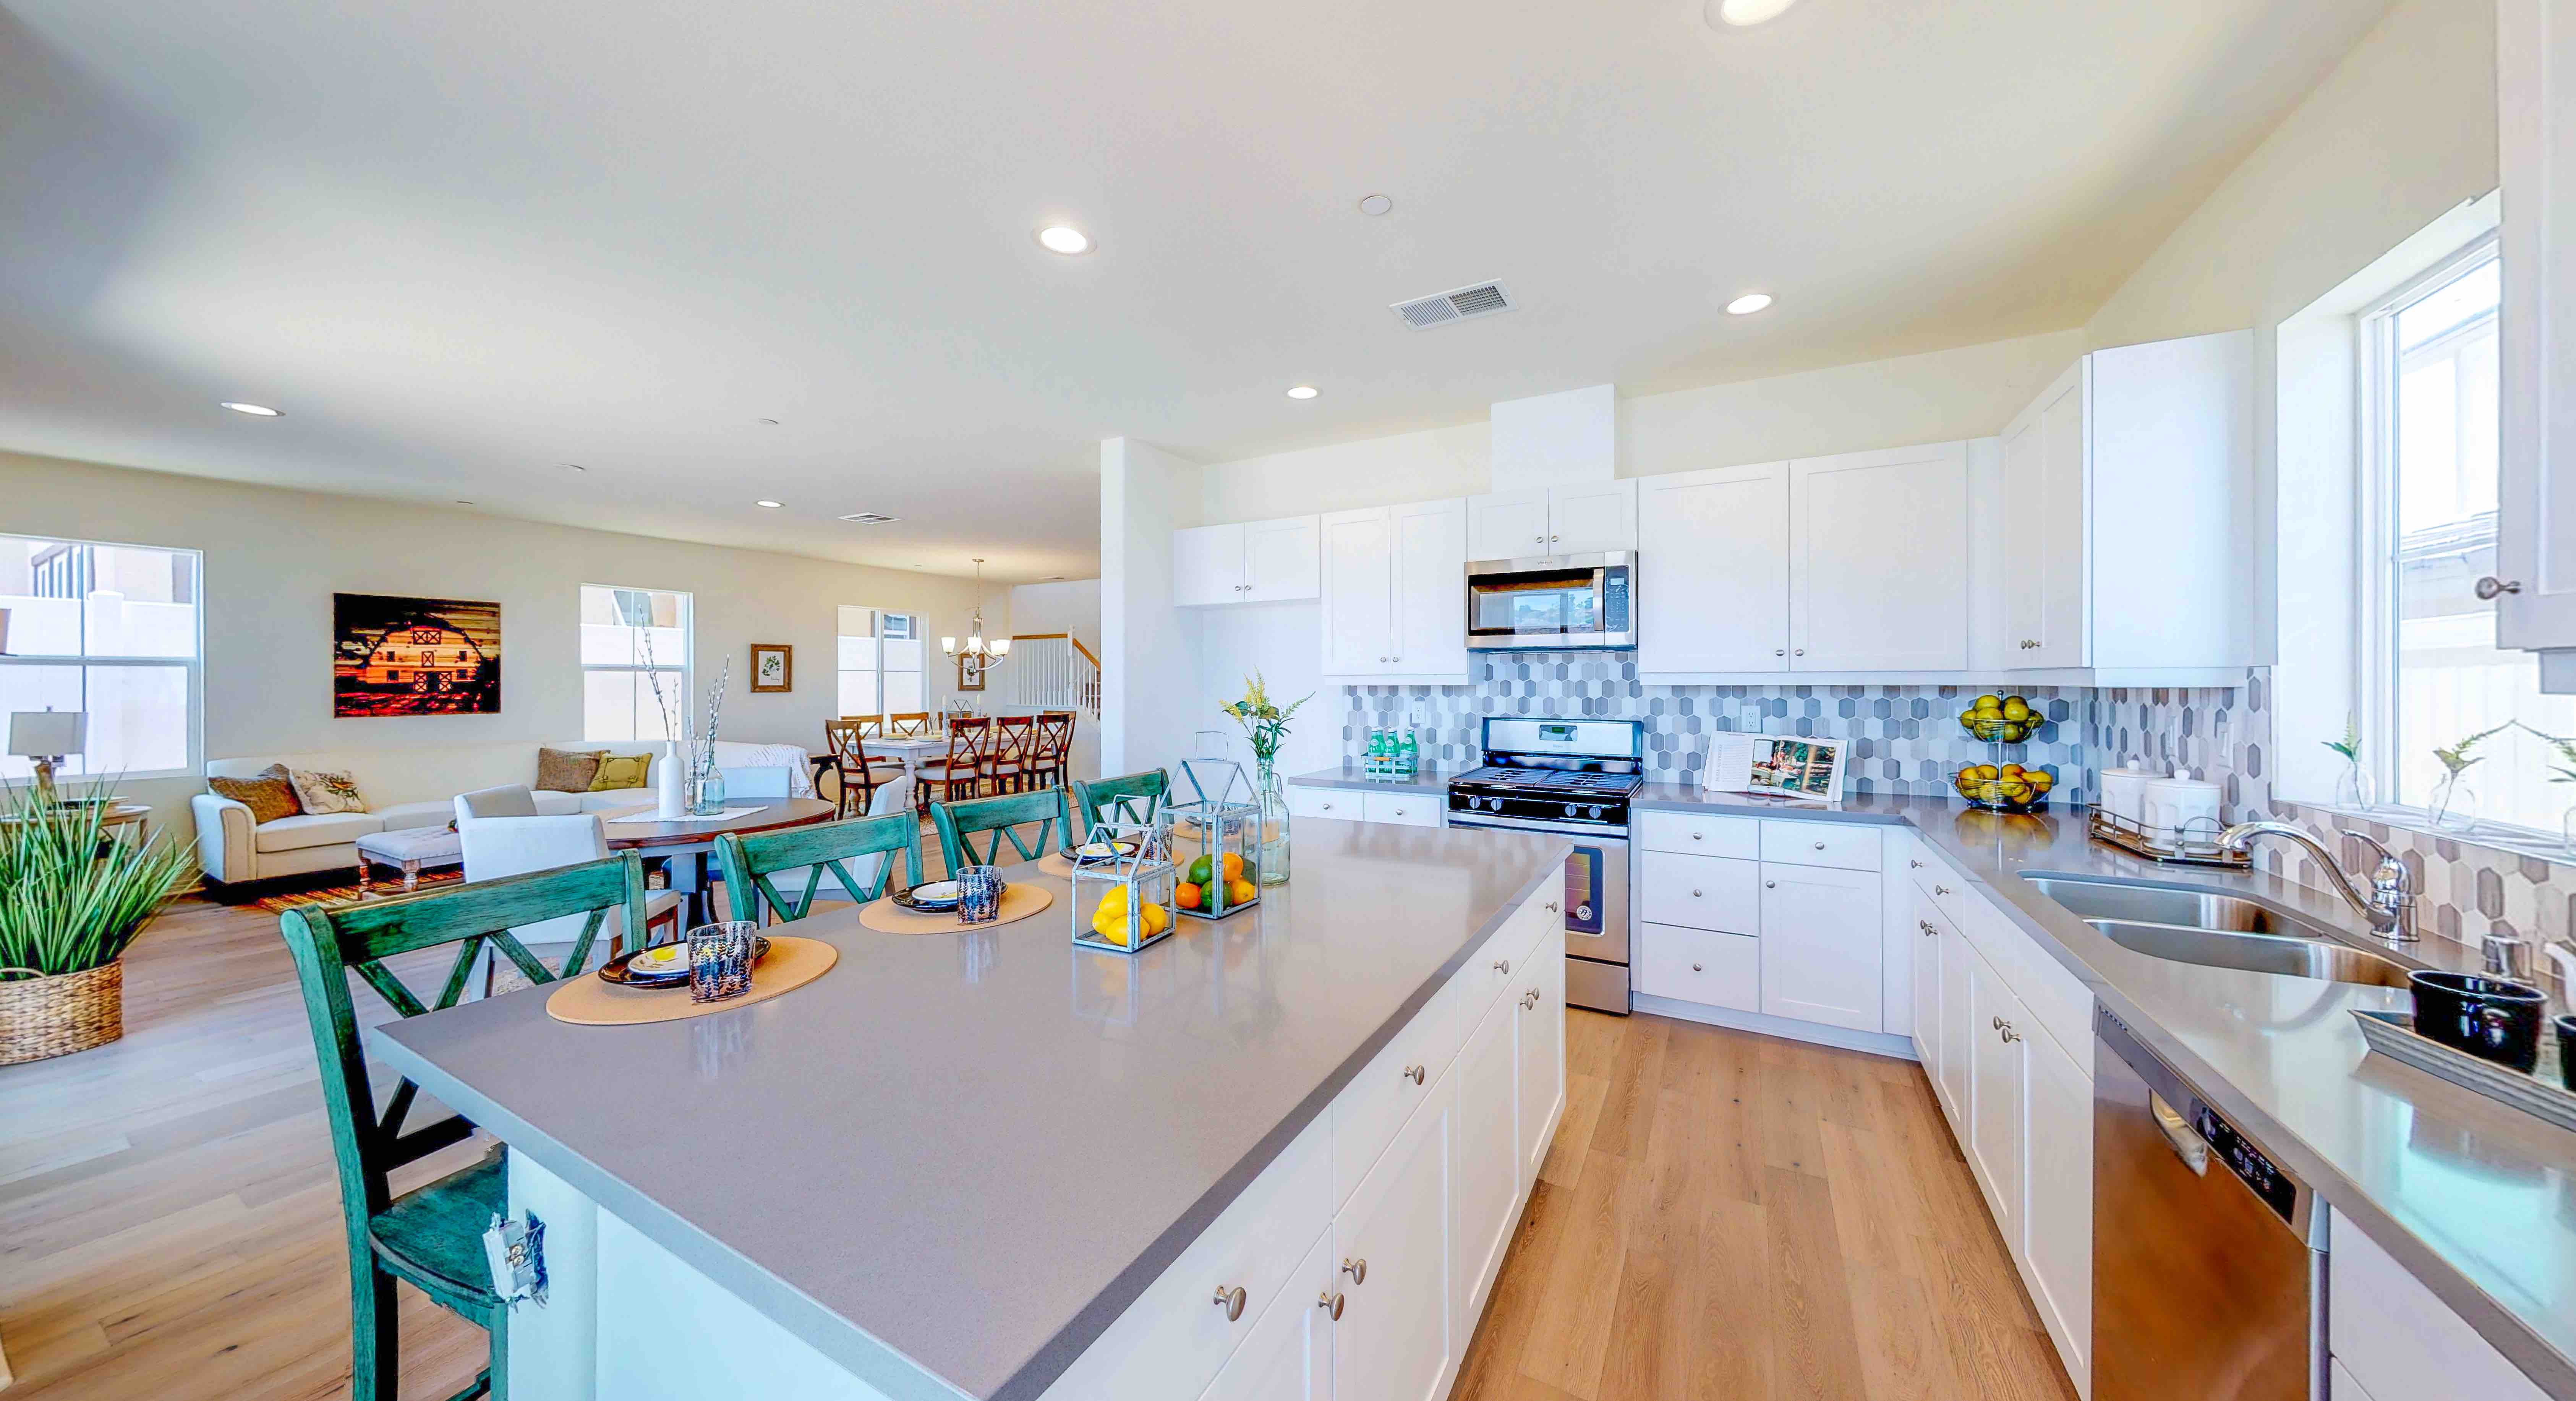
<point x="1461" y="304"/>
<point x="868" y="518"/>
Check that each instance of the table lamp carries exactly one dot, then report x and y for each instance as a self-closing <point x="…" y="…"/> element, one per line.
<point x="46" y="736"/>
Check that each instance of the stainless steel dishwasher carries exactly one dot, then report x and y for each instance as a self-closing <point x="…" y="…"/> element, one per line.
<point x="2209" y="1266"/>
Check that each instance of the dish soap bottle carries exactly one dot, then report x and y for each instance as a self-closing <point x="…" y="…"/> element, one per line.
<point x="1408" y="754"/>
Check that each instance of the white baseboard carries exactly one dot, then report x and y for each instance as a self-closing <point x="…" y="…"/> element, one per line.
<point x="1877" y="1043"/>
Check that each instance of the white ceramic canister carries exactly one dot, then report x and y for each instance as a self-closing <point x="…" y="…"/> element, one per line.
<point x="2182" y="808"/>
<point x="2124" y="792"/>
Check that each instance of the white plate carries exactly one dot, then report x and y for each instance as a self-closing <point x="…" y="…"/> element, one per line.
<point x="935" y="891"/>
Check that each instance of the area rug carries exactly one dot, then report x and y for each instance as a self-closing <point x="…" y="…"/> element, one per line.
<point x="283" y="901"/>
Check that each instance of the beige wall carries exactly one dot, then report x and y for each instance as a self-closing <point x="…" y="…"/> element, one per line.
<point x="273" y="559"/>
<point x="1968" y="392"/>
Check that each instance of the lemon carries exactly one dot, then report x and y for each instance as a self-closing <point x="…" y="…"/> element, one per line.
<point x="2017" y="709"/>
<point x="1115" y="899"/>
<point x="1990" y="703"/>
<point x="1111" y="928"/>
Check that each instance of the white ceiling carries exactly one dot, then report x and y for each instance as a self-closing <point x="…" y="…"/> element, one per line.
<point x="466" y="242"/>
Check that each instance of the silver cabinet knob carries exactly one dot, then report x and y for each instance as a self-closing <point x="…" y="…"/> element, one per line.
<point x="2489" y="587"/>
<point x="1231" y="1300"/>
<point x="1697" y="969"/>
<point x="1357" y="1270"/>
<point x="1324" y="807"/>
<point x="1940" y="890"/>
<point x="1802" y="651"/>
<point x="1926" y="926"/>
<point x="1395" y="659"/>
<point x="1913" y="865"/>
<point x="1695" y="895"/>
<point x="1529" y="999"/>
<point x="1412" y="1073"/>
<point x="1331" y="1303"/>
<point x="1551" y="907"/>
<point x="1996" y="1025"/>
<point x="1820" y="846"/>
<point x="1696" y="836"/>
<point x="1770" y="885"/>
<point x="2007" y="1032"/>
<point x="1779" y="651"/>
<point x="1503" y="966"/>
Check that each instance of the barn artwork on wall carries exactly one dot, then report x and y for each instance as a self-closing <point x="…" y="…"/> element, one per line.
<point x="414" y="656"/>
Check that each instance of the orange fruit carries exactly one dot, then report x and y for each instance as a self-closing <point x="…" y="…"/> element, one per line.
<point x="1233" y="870"/>
<point x="1186" y="896"/>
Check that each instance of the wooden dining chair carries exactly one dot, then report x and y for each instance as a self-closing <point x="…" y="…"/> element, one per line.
<point x="961" y="773"/>
<point x="907" y="724"/>
<point x="959" y="823"/>
<point x="1051" y="764"/>
<point x="859" y="775"/>
<point x="1014" y="750"/>
<point x="432" y="1235"/>
<point x="1131" y="798"/>
<point x="854" y="853"/>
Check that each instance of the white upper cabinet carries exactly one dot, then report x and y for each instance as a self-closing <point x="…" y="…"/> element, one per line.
<point x="1255" y="562"/>
<point x="1878" y="561"/>
<point x="2536" y="524"/>
<point x="1395" y="592"/>
<point x="1713" y="566"/>
<point x="2124" y="532"/>
<point x="1557" y="520"/>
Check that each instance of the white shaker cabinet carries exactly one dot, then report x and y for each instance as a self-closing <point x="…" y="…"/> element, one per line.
<point x="1488" y="1167"/>
<point x="1878" y="561"/>
<point x="2535" y="579"/>
<point x="1557" y="520"/>
<point x="1394" y="592"/>
<point x="2041" y="549"/>
<point x="1930" y="1031"/>
<point x="1713" y="554"/>
<point x="1820" y="945"/>
<point x="2056" y="1247"/>
<point x="1397" y="1340"/>
<point x="1541" y="1008"/>
<point x="1288" y="1355"/>
<point x="1997" y="1081"/>
<point x="1252" y="562"/>
<point x="1507" y="524"/>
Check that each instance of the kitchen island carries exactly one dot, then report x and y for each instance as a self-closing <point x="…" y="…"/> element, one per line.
<point x="991" y="1164"/>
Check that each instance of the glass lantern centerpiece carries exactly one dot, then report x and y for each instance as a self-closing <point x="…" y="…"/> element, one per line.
<point x="1123" y="903"/>
<point x="1213" y="838"/>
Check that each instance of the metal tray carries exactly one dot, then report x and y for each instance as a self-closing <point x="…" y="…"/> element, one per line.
<point x="2133" y="839"/>
<point x="2538" y="1094"/>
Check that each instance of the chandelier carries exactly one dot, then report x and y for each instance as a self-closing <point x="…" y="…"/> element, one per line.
<point x="989" y="653"/>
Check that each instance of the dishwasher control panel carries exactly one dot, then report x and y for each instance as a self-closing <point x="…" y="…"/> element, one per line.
<point x="2246" y="1161"/>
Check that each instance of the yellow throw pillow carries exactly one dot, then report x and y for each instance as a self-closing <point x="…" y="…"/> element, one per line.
<point x="621" y="771"/>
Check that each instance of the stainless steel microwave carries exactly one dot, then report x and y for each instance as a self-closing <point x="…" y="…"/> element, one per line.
<point x="1552" y="603"/>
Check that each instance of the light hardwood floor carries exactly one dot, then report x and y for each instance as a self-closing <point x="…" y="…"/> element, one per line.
<point x="1722" y="1216"/>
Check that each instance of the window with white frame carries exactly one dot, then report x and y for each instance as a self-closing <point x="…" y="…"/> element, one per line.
<point x="633" y="641"/>
<point x="111" y="631"/>
<point x="2434" y="676"/>
<point x="880" y="662"/>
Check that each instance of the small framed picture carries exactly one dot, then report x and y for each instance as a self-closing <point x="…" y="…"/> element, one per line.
<point x="1780" y="766"/>
<point x="970" y="673"/>
<point x="773" y="666"/>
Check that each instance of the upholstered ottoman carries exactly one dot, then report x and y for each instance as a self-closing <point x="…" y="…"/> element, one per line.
<point x="411" y="849"/>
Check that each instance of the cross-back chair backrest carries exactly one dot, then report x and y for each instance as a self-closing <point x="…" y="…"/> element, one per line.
<point x="330" y="941"/>
<point x="842" y="849"/>
<point x="960" y="822"/>
<point x="866" y="726"/>
<point x="908" y="723"/>
<point x="1053" y="736"/>
<point x="970" y="744"/>
<point x="848" y="743"/>
<point x="1131" y="798"/>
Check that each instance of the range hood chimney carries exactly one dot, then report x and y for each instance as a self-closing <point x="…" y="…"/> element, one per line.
<point x="1568" y="439"/>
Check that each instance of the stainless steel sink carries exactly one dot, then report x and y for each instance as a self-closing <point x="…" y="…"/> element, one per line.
<point x="2255" y="953"/>
<point x="2216" y="930"/>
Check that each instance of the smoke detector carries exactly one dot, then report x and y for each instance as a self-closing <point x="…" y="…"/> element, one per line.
<point x="1460" y="304"/>
<point x="868" y="518"/>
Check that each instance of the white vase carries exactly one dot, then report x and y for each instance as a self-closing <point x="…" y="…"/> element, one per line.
<point x="670" y="785"/>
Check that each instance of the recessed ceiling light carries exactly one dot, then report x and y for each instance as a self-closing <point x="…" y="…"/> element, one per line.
<point x="1748" y="304"/>
<point x="766" y="422"/>
<point x="769" y="505"/>
<point x="574" y="467"/>
<point x="869" y="518"/>
<point x="254" y="410"/>
<point x="1375" y="205"/>
<point x="464" y="503"/>
<point x="1741" y="14"/>
<point x="1304" y="391"/>
<point x="1065" y="239"/>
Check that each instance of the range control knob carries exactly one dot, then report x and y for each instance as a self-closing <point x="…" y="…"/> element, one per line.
<point x="1571" y="810"/>
<point x="1595" y="810"/>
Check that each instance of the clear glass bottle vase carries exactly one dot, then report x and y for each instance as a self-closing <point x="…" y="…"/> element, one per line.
<point x="2355" y="791"/>
<point x="1274" y="825"/>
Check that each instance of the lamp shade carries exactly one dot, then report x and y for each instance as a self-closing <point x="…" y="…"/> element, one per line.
<point x="47" y="733"/>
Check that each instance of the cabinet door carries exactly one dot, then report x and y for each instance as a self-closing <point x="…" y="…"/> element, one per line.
<point x="2047" y="469"/>
<point x="2536" y="143"/>
<point x="1713" y="556"/>
<point x="1507" y="525"/>
<point x="1928" y="1026"/>
<point x="1281" y="559"/>
<point x="1488" y="1134"/>
<point x="1428" y="637"/>
<point x="1995" y="1108"/>
<point x="1583" y="520"/>
<point x="1397" y="1339"/>
<point x="1359" y="591"/>
<point x="1207" y="565"/>
<point x="1958" y="1047"/>
<point x="1288" y="1355"/>
<point x="1878" y="561"/>
<point x="1542" y="1050"/>
<point x="1820" y="945"/>
<point x="2057" y="1200"/>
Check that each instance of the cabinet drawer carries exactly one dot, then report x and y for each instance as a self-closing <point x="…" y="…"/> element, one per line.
<point x="2397" y="1338"/>
<point x="1402" y="809"/>
<point x="1701" y="965"/>
<point x="1373" y="1108"/>
<point x="1339" y="803"/>
<point x="1172" y="1340"/>
<point x="1701" y="892"/>
<point x="1821" y="844"/>
<point x="1699" y="835"/>
<point x="1935" y="879"/>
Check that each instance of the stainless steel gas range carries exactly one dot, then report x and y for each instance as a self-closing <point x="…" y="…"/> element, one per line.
<point x="1573" y="778"/>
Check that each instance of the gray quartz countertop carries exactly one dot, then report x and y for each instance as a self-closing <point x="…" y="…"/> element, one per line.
<point x="1428" y="780"/>
<point x="968" y="1153"/>
<point x="2479" y="1201"/>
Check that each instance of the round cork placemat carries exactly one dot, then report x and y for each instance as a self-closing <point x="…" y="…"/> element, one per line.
<point x="1019" y="901"/>
<point x="791" y="964"/>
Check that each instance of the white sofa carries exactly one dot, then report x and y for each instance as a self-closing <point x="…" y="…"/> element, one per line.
<point x="412" y="788"/>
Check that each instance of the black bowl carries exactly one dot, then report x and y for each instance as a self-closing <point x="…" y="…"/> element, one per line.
<point x="2489" y="1018"/>
<point x="2566" y="1049"/>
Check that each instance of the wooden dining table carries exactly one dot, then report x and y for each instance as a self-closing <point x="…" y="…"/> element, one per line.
<point x="913" y="750"/>
<point x="683" y="843"/>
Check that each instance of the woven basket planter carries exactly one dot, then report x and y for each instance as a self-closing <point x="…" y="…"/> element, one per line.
<point x="45" y="1017"/>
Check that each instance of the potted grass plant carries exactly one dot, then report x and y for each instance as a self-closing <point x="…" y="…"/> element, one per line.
<point x="72" y="899"/>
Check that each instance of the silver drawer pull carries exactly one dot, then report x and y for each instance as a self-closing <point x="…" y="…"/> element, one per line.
<point x="1695" y="894"/>
<point x="1357" y="1270"/>
<point x="1820" y="846"/>
<point x="1412" y="1073"/>
<point x="1697" y="969"/>
<point x="1940" y="890"/>
<point x="1231" y="1300"/>
<point x="1551" y="907"/>
<point x="1996" y="1025"/>
<point x="2008" y="1034"/>
<point x="1913" y="865"/>
<point x="1331" y="1303"/>
<point x="1695" y="836"/>
<point x="1503" y="966"/>
<point x="1770" y="885"/>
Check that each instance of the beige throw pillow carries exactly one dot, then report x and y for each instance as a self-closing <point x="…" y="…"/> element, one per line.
<point x="567" y="770"/>
<point x="267" y="793"/>
<point x="326" y="792"/>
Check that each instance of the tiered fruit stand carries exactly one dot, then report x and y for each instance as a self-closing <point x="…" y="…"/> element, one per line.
<point x="2002" y="783"/>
